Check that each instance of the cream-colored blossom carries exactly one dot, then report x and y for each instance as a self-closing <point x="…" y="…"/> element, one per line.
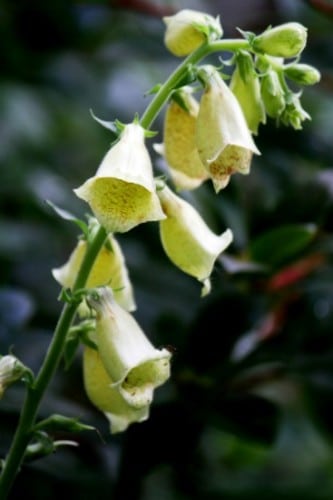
<point x="179" y="148"/>
<point x="109" y="269"/>
<point x="122" y="192"/>
<point x="107" y="398"/>
<point x="188" y="29"/>
<point x="135" y="366"/>
<point x="187" y="240"/>
<point x="225" y="144"/>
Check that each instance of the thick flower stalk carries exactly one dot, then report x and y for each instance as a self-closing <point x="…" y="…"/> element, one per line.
<point x="187" y="240"/>
<point x="107" y="398"/>
<point x="133" y="364"/>
<point x="223" y="139"/>
<point x="122" y="192"/>
<point x="188" y="29"/>
<point x="109" y="269"/>
<point x="179" y="147"/>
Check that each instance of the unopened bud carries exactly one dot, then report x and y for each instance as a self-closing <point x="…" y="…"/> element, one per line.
<point x="188" y="29"/>
<point x="272" y="94"/>
<point x="11" y="370"/>
<point x="303" y="74"/>
<point x="286" y="40"/>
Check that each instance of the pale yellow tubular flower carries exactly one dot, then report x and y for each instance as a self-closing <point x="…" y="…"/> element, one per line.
<point x="187" y="240"/>
<point x="179" y="148"/>
<point x="188" y="29"/>
<point x="223" y="139"/>
<point x="109" y="269"/>
<point x="132" y="362"/>
<point x="122" y="192"/>
<point x="101" y="392"/>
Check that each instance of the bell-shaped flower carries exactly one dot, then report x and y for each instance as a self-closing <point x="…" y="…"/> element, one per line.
<point x="102" y="393"/>
<point x="187" y="240"/>
<point x="122" y="192"/>
<point x="179" y="148"/>
<point x="286" y="40"/>
<point x="223" y="139"/>
<point x="134" y="365"/>
<point x="109" y="269"/>
<point x="245" y="85"/>
<point x="188" y="29"/>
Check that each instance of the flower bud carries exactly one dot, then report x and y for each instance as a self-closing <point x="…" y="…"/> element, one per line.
<point x="272" y="94"/>
<point x="187" y="240"/>
<point x="179" y="148"/>
<point x="246" y="87"/>
<point x="294" y="114"/>
<point x="129" y="358"/>
<point x="102" y="393"/>
<point x="225" y="144"/>
<point x="303" y="74"/>
<point x="11" y="370"/>
<point x="122" y="192"/>
<point x="188" y="29"/>
<point x="109" y="269"/>
<point x="286" y="40"/>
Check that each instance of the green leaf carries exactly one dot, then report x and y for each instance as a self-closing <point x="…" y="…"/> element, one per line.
<point x="280" y="245"/>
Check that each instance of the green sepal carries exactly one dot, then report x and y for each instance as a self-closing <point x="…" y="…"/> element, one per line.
<point x="248" y="35"/>
<point x="64" y="214"/>
<point x="58" y="422"/>
<point x="66" y="295"/>
<point x="154" y="90"/>
<point x="114" y="126"/>
<point x="42" y="445"/>
<point x="76" y="335"/>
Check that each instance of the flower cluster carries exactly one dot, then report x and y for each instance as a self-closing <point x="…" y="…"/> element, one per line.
<point x="205" y="138"/>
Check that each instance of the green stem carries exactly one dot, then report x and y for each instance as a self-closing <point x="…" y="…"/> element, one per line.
<point x="178" y="75"/>
<point x="35" y="393"/>
<point x="53" y="356"/>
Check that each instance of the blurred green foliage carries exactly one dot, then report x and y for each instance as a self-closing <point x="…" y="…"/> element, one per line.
<point x="248" y="410"/>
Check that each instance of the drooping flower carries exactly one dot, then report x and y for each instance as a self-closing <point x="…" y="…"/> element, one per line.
<point x="223" y="139"/>
<point x="179" y="148"/>
<point x="107" y="398"/>
<point x="122" y="192"/>
<point x="134" y="365"/>
<point x="188" y="29"/>
<point x="109" y="269"/>
<point x="187" y="240"/>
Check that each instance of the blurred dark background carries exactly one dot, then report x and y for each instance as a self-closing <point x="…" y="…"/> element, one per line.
<point x="248" y="411"/>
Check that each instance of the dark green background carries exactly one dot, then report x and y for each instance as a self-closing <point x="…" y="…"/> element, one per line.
<point x="248" y="410"/>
